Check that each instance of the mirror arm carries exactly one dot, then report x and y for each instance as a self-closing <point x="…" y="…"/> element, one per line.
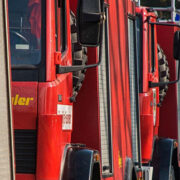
<point x="67" y="69"/>
<point x="152" y="84"/>
<point x="159" y="84"/>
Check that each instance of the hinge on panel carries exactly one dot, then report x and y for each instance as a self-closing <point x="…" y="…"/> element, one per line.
<point x="57" y="58"/>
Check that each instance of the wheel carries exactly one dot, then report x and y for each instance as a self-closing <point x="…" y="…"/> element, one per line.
<point x="79" y="57"/>
<point x="163" y="74"/>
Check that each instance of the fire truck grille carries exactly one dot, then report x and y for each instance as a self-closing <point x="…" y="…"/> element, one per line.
<point x="25" y="151"/>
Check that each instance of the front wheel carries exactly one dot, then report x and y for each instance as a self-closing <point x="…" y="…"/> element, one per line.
<point x="79" y="57"/>
<point x="163" y="74"/>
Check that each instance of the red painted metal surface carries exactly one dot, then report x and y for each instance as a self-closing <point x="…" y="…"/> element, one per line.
<point x="73" y="5"/>
<point x="51" y="138"/>
<point x="86" y="130"/>
<point x="168" y="111"/>
<point x="49" y="147"/>
<point x="25" y="177"/>
<point x="147" y="137"/>
<point x="50" y="40"/>
<point x="86" y="127"/>
<point x="24" y="100"/>
<point x="149" y="123"/>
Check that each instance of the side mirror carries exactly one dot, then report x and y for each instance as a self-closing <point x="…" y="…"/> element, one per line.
<point x="176" y="50"/>
<point x="89" y="22"/>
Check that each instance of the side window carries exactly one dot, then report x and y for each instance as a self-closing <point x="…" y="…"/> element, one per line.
<point x="149" y="48"/>
<point x="60" y="15"/>
<point x="139" y="50"/>
<point x="25" y="31"/>
<point x="133" y="76"/>
<point x="152" y="49"/>
<point x="105" y="106"/>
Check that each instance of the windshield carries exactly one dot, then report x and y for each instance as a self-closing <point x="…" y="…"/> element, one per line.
<point x="25" y="31"/>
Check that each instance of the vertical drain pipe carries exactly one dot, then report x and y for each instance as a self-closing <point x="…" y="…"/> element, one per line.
<point x="173" y="10"/>
<point x="138" y="3"/>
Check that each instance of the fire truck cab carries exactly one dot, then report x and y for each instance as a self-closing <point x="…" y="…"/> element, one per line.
<point x="42" y="87"/>
<point x="158" y="91"/>
<point x="63" y="131"/>
<point x="75" y="120"/>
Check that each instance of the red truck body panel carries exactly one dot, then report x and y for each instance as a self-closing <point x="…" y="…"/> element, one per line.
<point x="168" y="111"/>
<point x="86" y="127"/>
<point x="24" y="100"/>
<point x="149" y="97"/>
<point x="51" y="138"/>
<point x="25" y="176"/>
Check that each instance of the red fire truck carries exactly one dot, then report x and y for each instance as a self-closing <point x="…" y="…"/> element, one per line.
<point x="75" y="120"/>
<point x="158" y="76"/>
<point x="63" y="131"/>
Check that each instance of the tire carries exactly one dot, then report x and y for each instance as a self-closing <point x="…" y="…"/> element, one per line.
<point x="79" y="57"/>
<point x="163" y="74"/>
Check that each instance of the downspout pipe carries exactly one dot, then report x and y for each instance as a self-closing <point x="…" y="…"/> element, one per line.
<point x="138" y="3"/>
<point x="173" y="11"/>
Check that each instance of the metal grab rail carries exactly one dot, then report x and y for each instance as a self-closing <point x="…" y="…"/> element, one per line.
<point x="171" y="9"/>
